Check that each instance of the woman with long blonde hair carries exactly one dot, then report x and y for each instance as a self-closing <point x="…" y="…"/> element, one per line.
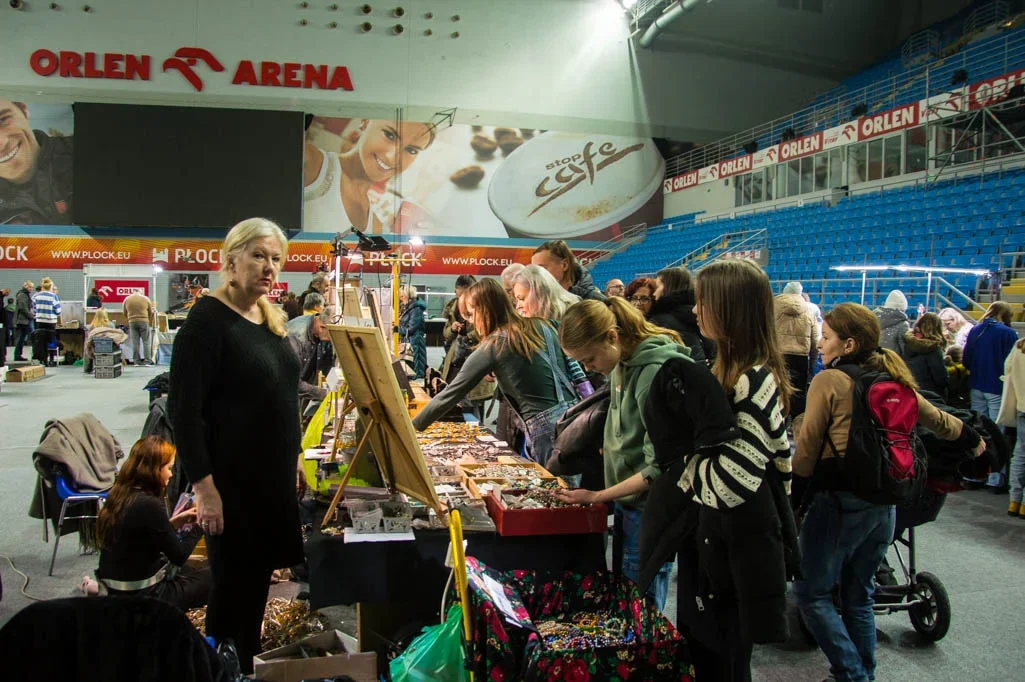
<point x="843" y="536"/>
<point x="614" y="339"/>
<point x="524" y="355"/>
<point x="234" y="403"/>
<point x="135" y="534"/>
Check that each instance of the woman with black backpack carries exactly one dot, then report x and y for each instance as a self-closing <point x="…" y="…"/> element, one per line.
<point x="850" y="516"/>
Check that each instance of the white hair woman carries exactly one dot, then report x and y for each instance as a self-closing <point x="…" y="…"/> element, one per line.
<point x="509" y="275"/>
<point x="234" y="401"/>
<point x="536" y="293"/>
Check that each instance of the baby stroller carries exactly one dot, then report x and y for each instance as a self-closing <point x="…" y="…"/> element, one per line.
<point x="920" y="593"/>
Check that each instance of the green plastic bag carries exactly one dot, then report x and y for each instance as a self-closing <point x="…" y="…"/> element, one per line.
<point x="436" y="655"/>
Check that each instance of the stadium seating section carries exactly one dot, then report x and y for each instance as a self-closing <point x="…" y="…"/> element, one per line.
<point x="964" y="222"/>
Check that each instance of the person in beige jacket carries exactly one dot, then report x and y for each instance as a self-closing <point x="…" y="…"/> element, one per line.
<point x="1012" y="414"/>
<point x="798" y="337"/>
<point x="844" y="538"/>
<point x="138" y="310"/>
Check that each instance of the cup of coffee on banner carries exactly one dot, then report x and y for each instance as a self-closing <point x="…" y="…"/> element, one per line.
<point x="578" y="186"/>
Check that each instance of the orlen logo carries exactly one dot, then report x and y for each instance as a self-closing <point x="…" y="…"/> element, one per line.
<point x="106" y="291"/>
<point x="187" y="57"/>
<point x="185" y="60"/>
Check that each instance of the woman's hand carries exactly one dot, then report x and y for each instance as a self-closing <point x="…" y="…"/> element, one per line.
<point x="577" y="496"/>
<point x="209" y="507"/>
<point x="980" y="448"/>
<point x="183" y="519"/>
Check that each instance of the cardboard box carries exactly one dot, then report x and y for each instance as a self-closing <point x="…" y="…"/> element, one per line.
<point x="21" y="375"/>
<point x="288" y="665"/>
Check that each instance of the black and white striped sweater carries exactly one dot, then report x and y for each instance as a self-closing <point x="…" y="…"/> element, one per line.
<point x="726" y="477"/>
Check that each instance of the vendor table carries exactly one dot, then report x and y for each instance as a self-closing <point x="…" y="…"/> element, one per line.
<point x="343" y="573"/>
<point x="73" y="339"/>
<point x="396" y="584"/>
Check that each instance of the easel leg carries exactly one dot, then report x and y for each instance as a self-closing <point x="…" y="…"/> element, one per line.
<point x="363" y="444"/>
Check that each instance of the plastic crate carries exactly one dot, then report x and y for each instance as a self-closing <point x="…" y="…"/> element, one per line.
<point x="107" y="359"/>
<point x="103" y="345"/>
<point x="107" y="372"/>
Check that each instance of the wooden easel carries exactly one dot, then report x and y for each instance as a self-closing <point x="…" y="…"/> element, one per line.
<point x="384" y="414"/>
<point x="375" y="420"/>
<point x="346" y="407"/>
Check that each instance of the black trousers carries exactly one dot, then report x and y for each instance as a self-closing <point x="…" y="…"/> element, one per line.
<point x="714" y="666"/>
<point x="236" y="610"/>
<point x="41" y="338"/>
<point x="798" y="368"/>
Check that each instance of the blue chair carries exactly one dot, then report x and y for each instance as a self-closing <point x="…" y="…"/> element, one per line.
<point x="70" y="497"/>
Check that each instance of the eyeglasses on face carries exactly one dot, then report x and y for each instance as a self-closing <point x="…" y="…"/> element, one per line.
<point x="640" y="299"/>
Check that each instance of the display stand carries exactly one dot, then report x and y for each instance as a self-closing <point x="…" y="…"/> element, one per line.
<point x="388" y="429"/>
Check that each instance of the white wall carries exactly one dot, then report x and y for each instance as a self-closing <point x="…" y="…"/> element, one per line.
<point x="712" y="197"/>
<point x="556" y="64"/>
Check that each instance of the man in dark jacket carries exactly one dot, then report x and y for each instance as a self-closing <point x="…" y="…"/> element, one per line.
<point x="307" y="335"/>
<point x="24" y="315"/>
<point x="35" y="173"/>
<point x="555" y="257"/>
<point x="318" y="285"/>
<point x="674" y="309"/>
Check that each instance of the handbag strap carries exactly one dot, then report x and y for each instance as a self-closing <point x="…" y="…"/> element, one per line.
<point x="555" y="359"/>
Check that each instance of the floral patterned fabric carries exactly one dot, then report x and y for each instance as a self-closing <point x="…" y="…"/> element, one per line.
<point x="507" y="646"/>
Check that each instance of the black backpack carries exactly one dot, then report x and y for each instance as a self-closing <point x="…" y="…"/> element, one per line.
<point x="885" y="462"/>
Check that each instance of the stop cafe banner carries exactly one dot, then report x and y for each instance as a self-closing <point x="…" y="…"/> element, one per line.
<point x="479" y="196"/>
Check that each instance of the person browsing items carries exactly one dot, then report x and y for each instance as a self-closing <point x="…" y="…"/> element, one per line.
<point x="141" y="549"/>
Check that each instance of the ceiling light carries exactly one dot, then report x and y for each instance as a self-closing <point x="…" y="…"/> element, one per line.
<point x="628" y="4"/>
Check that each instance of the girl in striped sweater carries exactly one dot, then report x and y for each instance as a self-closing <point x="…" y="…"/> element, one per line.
<point x="745" y="545"/>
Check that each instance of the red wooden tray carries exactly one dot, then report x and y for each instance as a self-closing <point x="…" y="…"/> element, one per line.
<point x="560" y="521"/>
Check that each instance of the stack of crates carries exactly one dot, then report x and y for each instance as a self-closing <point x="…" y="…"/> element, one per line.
<point x="107" y="361"/>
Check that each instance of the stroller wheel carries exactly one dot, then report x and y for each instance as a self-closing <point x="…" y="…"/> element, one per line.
<point x="931" y="618"/>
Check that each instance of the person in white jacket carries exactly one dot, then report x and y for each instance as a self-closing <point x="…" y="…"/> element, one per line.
<point x="1012" y="414"/>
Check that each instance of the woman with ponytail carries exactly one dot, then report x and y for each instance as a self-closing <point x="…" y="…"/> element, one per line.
<point x="234" y="403"/>
<point x="614" y="339"/>
<point x="843" y="537"/>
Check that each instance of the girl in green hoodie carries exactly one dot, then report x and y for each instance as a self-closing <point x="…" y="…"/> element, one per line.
<point x="614" y="339"/>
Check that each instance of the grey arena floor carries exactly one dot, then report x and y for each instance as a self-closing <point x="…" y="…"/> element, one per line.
<point x="974" y="548"/>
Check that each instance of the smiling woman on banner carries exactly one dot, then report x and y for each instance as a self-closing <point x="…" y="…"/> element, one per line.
<point x="234" y="403"/>
<point x="352" y="186"/>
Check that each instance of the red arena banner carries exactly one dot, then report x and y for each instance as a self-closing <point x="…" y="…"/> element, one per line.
<point x="888" y="122"/>
<point x="993" y="90"/>
<point x="117" y="290"/>
<point x="71" y="253"/>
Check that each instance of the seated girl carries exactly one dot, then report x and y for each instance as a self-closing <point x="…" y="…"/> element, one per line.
<point x="142" y="551"/>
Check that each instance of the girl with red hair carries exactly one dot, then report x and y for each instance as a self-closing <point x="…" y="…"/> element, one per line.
<point x="141" y="549"/>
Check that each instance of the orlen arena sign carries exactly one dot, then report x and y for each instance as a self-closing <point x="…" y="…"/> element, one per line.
<point x="186" y="60"/>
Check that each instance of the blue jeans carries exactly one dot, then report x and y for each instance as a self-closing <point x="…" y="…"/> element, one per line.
<point x="1017" y="479"/>
<point x="843" y="539"/>
<point x="540" y="431"/>
<point x="989" y="405"/>
<point x="631" y="522"/>
<point x="24" y="331"/>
